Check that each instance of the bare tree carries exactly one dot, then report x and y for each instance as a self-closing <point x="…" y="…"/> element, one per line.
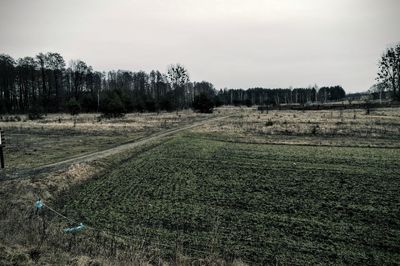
<point x="389" y="70"/>
<point x="178" y="77"/>
<point x="55" y="64"/>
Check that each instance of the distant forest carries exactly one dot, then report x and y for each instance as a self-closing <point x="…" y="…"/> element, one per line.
<point x="43" y="84"/>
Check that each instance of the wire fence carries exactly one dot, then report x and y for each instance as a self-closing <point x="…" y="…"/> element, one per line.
<point x="141" y="241"/>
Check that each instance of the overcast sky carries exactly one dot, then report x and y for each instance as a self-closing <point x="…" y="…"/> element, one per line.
<point x="231" y="43"/>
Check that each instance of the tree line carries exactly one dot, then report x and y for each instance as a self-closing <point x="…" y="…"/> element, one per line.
<point x="278" y="96"/>
<point x="45" y="84"/>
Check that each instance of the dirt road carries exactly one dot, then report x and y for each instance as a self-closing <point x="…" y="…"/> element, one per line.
<point x="105" y="153"/>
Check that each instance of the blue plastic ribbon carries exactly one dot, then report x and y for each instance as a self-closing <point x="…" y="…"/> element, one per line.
<point x="78" y="228"/>
<point x="38" y="204"/>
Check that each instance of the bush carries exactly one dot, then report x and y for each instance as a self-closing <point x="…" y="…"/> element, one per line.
<point x="139" y="106"/>
<point x="237" y="102"/>
<point x="151" y="106"/>
<point x="314" y="130"/>
<point x="167" y="105"/>
<point x="15" y="118"/>
<point x="269" y="123"/>
<point x="248" y="103"/>
<point x="203" y="103"/>
<point x="35" y="112"/>
<point x="113" y="106"/>
<point x="73" y="106"/>
<point x="218" y="101"/>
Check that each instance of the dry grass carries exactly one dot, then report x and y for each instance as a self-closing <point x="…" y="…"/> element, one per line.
<point x="25" y="234"/>
<point x="92" y="123"/>
<point x="326" y="127"/>
<point x="57" y="137"/>
<point x="30" y="239"/>
<point x="22" y="232"/>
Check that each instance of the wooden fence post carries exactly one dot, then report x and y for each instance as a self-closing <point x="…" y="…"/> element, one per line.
<point x="1" y="148"/>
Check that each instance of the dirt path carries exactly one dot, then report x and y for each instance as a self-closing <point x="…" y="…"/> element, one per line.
<point x="105" y="153"/>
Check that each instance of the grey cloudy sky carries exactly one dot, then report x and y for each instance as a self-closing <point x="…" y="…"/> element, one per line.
<point x="231" y="43"/>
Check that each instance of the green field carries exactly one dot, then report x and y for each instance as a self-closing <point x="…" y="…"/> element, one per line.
<point x="260" y="203"/>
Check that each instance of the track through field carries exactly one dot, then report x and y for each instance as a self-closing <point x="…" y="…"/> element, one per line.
<point x="108" y="152"/>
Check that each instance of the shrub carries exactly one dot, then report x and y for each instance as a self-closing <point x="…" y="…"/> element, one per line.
<point x="248" y="103"/>
<point x="203" y="103"/>
<point x="113" y="106"/>
<point x="269" y="123"/>
<point x="35" y="112"/>
<point x="314" y="129"/>
<point x="151" y="106"/>
<point x="167" y="105"/>
<point x="218" y="101"/>
<point x="73" y="106"/>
